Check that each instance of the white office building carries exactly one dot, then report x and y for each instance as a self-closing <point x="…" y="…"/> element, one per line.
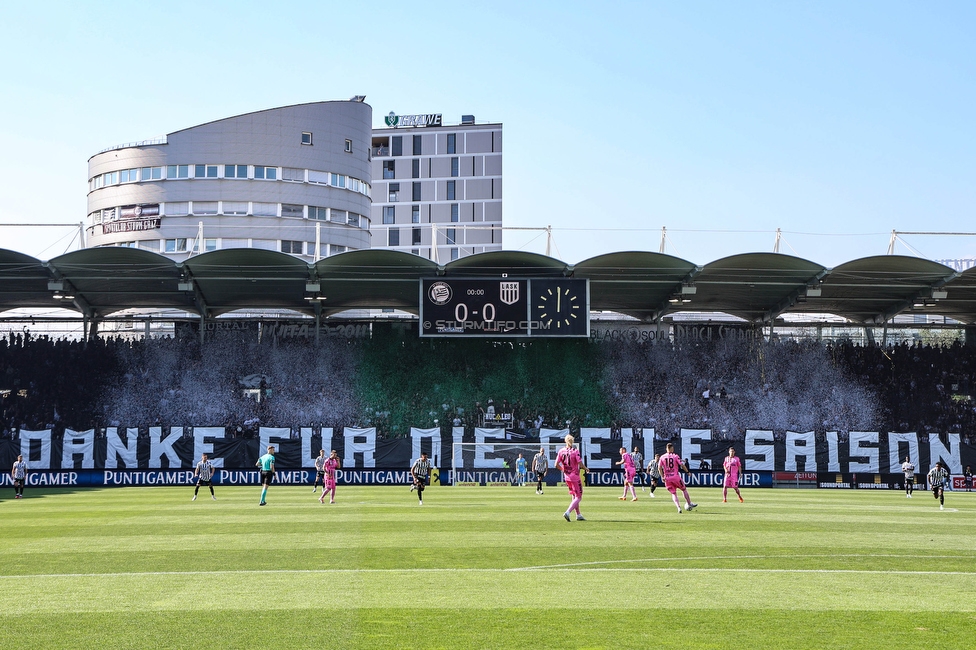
<point x="437" y="188"/>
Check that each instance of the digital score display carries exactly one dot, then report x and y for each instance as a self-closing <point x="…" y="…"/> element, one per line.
<point x="504" y="307"/>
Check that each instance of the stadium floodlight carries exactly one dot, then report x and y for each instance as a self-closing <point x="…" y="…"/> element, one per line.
<point x="813" y="291"/>
<point x="688" y="289"/>
<point x="939" y="294"/>
<point x="55" y="285"/>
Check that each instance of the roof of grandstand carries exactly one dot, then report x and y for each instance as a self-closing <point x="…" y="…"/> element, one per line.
<point x="757" y="287"/>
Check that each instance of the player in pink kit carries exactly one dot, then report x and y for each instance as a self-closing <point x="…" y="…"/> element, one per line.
<point x="630" y="471"/>
<point x="671" y="466"/>
<point x="732" y="467"/>
<point x="568" y="462"/>
<point x="329" y="480"/>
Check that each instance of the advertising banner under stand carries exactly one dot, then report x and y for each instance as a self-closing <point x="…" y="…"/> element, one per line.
<point x="862" y="481"/>
<point x="867" y="459"/>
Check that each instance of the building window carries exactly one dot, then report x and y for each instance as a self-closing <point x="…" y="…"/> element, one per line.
<point x="416" y="237"/>
<point x="111" y="178"/>
<point x="235" y="171"/>
<point x="152" y="173"/>
<point x="389" y="213"/>
<point x="455" y="166"/>
<point x="353" y="219"/>
<point x="415" y="168"/>
<point x="320" y="178"/>
<point x="209" y="245"/>
<point x="177" y="171"/>
<point x="338" y="216"/>
<point x="319" y="214"/>
<point x="292" y="210"/>
<point x="415" y="214"/>
<point x="205" y="171"/>
<point x="306" y="137"/>
<point x="336" y="249"/>
<point x="264" y="209"/>
<point x="416" y="192"/>
<point x="176" y="245"/>
<point x="397" y="145"/>
<point x="338" y="180"/>
<point x="452" y="143"/>
<point x="128" y="175"/>
<point x="454" y="254"/>
<point x="455" y="213"/>
<point x="394" y="239"/>
<point x="293" y="174"/>
<point x="394" y="192"/>
<point x="204" y="207"/>
<point x="176" y="208"/>
<point x="389" y="169"/>
<point x="267" y="173"/>
<point x="348" y="146"/>
<point x="233" y="207"/>
<point x="451" y="191"/>
<point x="293" y="247"/>
<point x="418" y="145"/>
<point x="451" y="236"/>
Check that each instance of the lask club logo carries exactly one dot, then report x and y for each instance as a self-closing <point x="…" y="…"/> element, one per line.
<point x="509" y="292"/>
<point x="391" y="120"/>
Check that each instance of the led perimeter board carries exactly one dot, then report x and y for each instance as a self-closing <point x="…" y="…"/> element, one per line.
<point x="504" y="307"/>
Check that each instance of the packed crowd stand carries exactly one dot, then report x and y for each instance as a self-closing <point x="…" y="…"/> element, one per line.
<point x="724" y="386"/>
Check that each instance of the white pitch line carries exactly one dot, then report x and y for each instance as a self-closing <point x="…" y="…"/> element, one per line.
<point x="569" y="565"/>
<point x="559" y="568"/>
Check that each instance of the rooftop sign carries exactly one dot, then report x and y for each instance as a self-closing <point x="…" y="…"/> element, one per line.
<point x="429" y="119"/>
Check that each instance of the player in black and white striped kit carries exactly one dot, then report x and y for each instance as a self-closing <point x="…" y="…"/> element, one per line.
<point x="420" y="471"/>
<point x="908" y="467"/>
<point x="204" y="473"/>
<point x="19" y="474"/>
<point x="319" y="471"/>
<point x="937" y="478"/>
<point x="638" y="459"/>
<point x="540" y="465"/>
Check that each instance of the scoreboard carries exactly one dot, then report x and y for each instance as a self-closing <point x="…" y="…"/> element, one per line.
<point x="504" y="307"/>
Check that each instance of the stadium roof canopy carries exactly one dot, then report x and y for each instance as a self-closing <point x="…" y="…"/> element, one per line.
<point x="757" y="287"/>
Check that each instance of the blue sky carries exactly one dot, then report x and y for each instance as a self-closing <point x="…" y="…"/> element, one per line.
<point x="834" y="121"/>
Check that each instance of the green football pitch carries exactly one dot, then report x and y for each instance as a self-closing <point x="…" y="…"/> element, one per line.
<point x="485" y="568"/>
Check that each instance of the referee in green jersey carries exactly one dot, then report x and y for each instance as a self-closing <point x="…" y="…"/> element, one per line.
<point x="267" y="465"/>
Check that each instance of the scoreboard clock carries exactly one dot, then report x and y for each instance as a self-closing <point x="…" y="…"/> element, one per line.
<point x="561" y="306"/>
<point x="504" y="307"/>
